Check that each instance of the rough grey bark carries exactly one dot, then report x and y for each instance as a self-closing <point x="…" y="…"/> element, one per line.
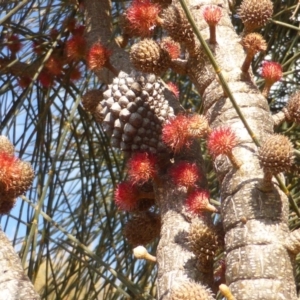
<point x="14" y="284"/>
<point x="255" y="222"/>
<point x="258" y="264"/>
<point x="176" y="262"/>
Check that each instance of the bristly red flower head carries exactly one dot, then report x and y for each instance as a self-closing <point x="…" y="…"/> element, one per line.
<point x="175" y="133"/>
<point x="142" y="167"/>
<point x="221" y="141"/>
<point x="98" y="57"/>
<point x="172" y="47"/>
<point x="198" y="201"/>
<point x="24" y="82"/>
<point x="38" y="47"/>
<point x="46" y="79"/>
<point x="142" y="16"/>
<point x="75" y="74"/>
<point x="10" y="170"/>
<point x="78" y="30"/>
<point x="126" y="196"/>
<point x="173" y="88"/>
<point x="14" y="44"/>
<point x="271" y="71"/>
<point x="212" y="14"/>
<point x="75" y="48"/>
<point x="185" y="174"/>
<point x="54" y="66"/>
<point x="199" y="126"/>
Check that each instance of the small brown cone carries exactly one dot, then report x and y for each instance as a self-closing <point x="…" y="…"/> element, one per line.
<point x="6" y="146"/>
<point x="177" y="25"/>
<point x="203" y="241"/>
<point x="91" y="99"/>
<point x="252" y="43"/>
<point x="147" y="56"/>
<point x="142" y="229"/>
<point x="6" y="203"/>
<point x="255" y="13"/>
<point x="27" y="175"/>
<point x="190" y="290"/>
<point x="292" y="109"/>
<point x="276" y="154"/>
<point x="199" y="126"/>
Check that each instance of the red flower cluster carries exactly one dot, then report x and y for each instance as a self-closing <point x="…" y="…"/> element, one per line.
<point x="98" y="57"/>
<point x="142" y="167"/>
<point x="142" y="16"/>
<point x="10" y="170"/>
<point x="126" y="196"/>
<point x="185" y="174"/>
<point x="179" y="131"/>
<point x="75" y="48"/>
<point x="271" y="71"/>
<point x="175" y="133"/>
<point x="173" y="88"/>
<point x="212" y="14"/>
<point x="221" y="141"/>
<point x="14" y="44"/>
<point x="198" y="201"/>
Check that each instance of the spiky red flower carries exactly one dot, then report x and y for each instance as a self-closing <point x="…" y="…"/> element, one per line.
<point x="126" y="196"/>
<point x="172" y="47"/>
<point x="185" y="174"/>
<point x="75" y="48"/>
<point x="198" y="201"/>
<point x="54" y="34"/>
<point x="221" y="141"/>
<point x="54" y="66"/>
<point x="38" y="47"/>
<point x="212" y="14"/>
<point x="142" y="167"/>
<point x="14" y="44"/>
<point x="24" y="82"/>
<point x="10" y="170"/>
<point x="46" y="79"/>
<point x="70" y="24"/>
<point x="173" y="88"/>
<point x="142" y="16"/>
<point x="175" y="133"/>
<point x="98" y="57"/>
<point x="271" y="71"/>
<point x="78" y="30"/>
<point x="75" y="74"/>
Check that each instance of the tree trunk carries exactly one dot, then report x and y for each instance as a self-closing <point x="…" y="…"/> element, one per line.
<point x="258" y="266"/>
<point x="14" y="284"/>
